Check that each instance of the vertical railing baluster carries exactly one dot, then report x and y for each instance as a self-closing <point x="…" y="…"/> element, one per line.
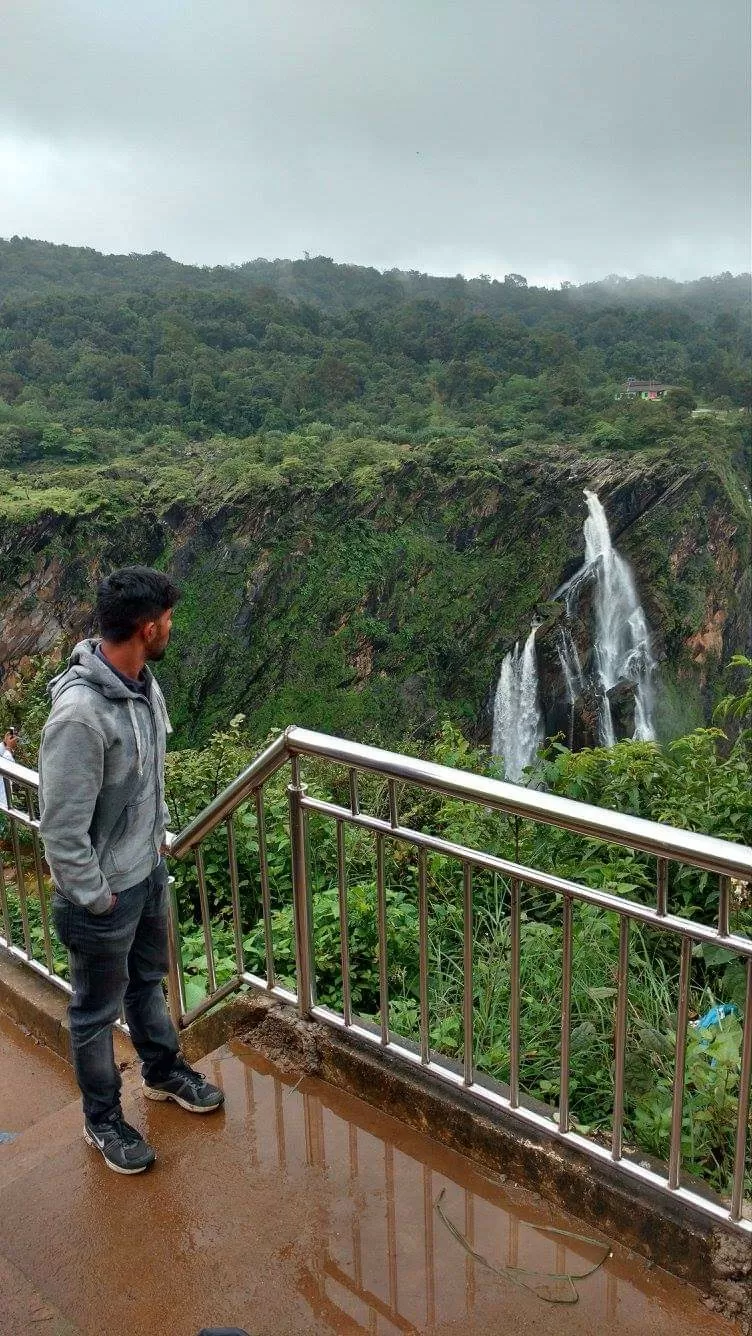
<point x="29" y="796"/>
<point x="176" y="972"/>
<point x="383" y="964"/>
<point x="41" y="892"/>
<point x="354" y="795"/>
<point x="266" y="906"/>
<point x="302" y="907"/>
<point x="620" y="1039"/>
<point x="21" y="888"/>
<point x="467" y="973"/>
<point x="724" y="890"/>
<point x="423" y="956"/>
<point x="237" y="926"/>
<point x="742" y="1113"/>
<point x="205" y="923"/>
<point x="514" y="996"/>
<point x="344" y="925"/>
<point x="661" y="899"/>
<point x="4" y="906"/>
<point x="566" y="1013"/>
<point x="393" y="813"/>
<point x="677" y="1103"/>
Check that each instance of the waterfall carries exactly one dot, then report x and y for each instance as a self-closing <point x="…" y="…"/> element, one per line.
<point x="572" y="671"/>
<point x="622" y="650"/>
<point x="517" y="721"/>
<point x="621" y="653"/>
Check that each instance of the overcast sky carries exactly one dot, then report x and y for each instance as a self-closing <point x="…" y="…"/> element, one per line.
<point x="557" y="139"/>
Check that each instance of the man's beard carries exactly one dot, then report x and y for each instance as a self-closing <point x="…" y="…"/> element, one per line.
<point x="157" y="653"/>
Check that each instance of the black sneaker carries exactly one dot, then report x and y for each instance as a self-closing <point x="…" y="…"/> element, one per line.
<point x="188" y="1088"/>
<point x="123" y="1148"/>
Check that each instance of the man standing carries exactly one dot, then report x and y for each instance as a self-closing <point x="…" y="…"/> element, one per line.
<point x="103" y="821"/>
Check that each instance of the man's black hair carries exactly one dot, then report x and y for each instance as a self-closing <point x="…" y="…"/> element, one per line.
<point x="131" y="596"/>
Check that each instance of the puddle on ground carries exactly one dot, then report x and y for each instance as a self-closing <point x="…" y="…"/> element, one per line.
<point x="384" y="1259"/>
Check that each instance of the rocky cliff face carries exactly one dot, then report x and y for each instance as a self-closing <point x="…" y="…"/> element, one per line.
<point x="375" y="617"/>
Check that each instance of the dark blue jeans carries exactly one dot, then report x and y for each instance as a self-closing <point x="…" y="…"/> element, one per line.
<point x="118" y="959"/>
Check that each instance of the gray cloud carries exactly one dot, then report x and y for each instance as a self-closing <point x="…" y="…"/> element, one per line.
<point x="557" y="139"/>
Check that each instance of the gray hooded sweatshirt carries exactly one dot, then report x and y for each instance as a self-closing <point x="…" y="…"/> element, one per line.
<point x="101" y="781"/>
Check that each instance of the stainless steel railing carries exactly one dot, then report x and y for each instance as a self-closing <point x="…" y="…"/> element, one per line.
<point x="20" y="817"/>
<point x="665" y="844"/>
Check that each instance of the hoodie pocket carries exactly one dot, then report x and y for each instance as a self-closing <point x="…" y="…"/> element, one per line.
<point x="133" y="841"/>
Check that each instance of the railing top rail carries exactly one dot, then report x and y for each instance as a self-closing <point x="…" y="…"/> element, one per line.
<point x="705" y="851"/>
<point x="652" y="837"/>
<point x="18" y="774"/>
<point x="256" y="774"/>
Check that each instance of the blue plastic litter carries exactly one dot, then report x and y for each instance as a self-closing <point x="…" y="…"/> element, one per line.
<point x="716" y="1015"/>
<point x="7" y="1136"/>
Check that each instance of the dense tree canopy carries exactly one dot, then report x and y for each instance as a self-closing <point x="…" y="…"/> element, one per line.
<point x="97" y="353"/>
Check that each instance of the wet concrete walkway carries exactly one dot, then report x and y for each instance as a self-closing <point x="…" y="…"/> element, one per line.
<point x="33" y="1081"/>
<point x="296" y="1210"/>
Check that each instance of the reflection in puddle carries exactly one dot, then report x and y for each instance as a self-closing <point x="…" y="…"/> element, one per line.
<point x="383" y="1261"/>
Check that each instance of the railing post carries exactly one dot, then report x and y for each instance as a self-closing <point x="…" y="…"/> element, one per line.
<point x="175" y="990"/>
<point x="742" y="1115"/>
<point x="266" y="904"/>
<point x="21" y="887"/>
<point x="301" y="899"/>
<point x="514" y="996"/>
<point x="4" y="907"/>
<point x="677" y="1104"/>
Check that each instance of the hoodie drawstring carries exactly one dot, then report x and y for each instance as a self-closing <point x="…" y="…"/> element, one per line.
<point x="156" y="694"/>
<point x="137" y="732"/>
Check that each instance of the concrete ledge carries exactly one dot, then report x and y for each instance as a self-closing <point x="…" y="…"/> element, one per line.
<point x="35" y="1004"/>
<point x="42" y="1009"/>
<point x="716" y="1260"/>
<point x="216" y="1027"/>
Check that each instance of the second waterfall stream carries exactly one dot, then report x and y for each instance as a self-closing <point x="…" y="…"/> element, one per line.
<point x="518" y="723"/>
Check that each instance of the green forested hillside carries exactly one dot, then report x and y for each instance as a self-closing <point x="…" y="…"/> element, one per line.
<point x="367" y="483"/>
<point x="93" y="345"/>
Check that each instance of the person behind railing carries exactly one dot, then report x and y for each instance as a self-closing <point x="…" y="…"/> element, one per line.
<point x="7" y="753"/>
<point x="103" y="821"/>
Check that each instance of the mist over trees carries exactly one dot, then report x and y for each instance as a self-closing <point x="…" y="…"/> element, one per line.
<point x="99" y="353"/>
